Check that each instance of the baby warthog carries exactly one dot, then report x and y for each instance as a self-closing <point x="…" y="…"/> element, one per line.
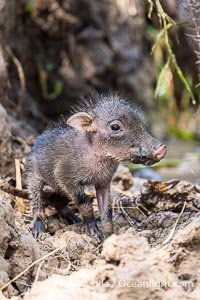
<point x="87" y="149"/>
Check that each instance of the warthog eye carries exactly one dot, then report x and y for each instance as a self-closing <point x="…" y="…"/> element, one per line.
<point x="115" y="127"/>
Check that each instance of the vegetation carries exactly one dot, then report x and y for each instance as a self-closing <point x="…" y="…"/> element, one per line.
<point x="168" y="70"/>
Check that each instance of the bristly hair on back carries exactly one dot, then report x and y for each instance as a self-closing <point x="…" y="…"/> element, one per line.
<point x="88" y="102"/>
<point x="84" y="104"/>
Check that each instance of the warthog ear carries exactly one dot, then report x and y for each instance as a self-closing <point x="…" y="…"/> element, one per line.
<point x="82" y="122"/>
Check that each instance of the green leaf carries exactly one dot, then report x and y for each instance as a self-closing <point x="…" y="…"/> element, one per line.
<point x="169" y="163"/>
<point x="185" y="83"/>
<point x="58" y="88"/>
<point x="161" y="84"/>
<point x="150" y="8"/>
<point x="160" y="35"/>
<point x="186" y="135"/>
<point x="29" y="6"/>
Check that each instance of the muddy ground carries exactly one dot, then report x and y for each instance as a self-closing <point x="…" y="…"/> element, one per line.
<point x="154" y="253"/>
<point x="50" y="54"/>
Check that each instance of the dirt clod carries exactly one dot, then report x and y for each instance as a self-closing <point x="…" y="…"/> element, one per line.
<point x="135" y="263"/>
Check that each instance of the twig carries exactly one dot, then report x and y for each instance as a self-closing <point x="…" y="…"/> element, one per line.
<point x="166" y="23"/>
<point x="32" y="265"/>
<point x="13" y="190"/>
<point x="38" y="270"/>
<point x="99" y="246"/>
<point x="67" y="259"/>
<point x="21" y="78"/>
<point x="126" y="214"/>
<point x="19" y="200"/>
<point x="18" y="175"/>
<point x="114" y="205"/>
<point x="174" y="227"/>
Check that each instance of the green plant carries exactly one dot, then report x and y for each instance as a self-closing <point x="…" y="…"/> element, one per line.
<point x="170" y="64"/>
<point x="29" y="6"/>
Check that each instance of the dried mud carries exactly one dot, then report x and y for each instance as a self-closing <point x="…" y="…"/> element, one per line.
<point x="154" y="253"/>
<point x="155" y="250"/>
